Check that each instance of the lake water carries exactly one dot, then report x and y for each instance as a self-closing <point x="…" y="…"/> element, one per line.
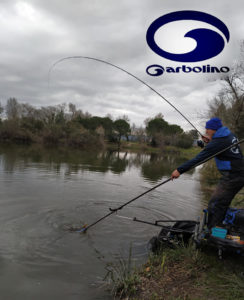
<point x="45" y="191"/>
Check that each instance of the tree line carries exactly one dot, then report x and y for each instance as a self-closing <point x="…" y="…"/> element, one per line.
<point x="65" y="124"/>
<point x="228" y="104"/>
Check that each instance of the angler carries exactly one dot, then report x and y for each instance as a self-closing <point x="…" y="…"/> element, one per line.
<point x="230" y="163"/>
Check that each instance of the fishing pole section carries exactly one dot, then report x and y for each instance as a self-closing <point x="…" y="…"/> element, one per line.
<point x="128" y="73"/>
<point x="158" y="223"/>
<point x="114" y="210"/>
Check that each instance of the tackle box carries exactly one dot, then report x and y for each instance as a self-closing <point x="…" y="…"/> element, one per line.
<point x="219" y="232"/>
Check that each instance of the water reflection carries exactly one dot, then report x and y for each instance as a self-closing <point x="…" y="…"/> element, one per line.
<point x="72" y="161"/>
<point x="44" y="190"/>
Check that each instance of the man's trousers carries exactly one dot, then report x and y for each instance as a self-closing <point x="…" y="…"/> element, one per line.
<point x="229" y="185"/>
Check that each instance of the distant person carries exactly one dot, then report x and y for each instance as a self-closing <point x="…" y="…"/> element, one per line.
<point x="230" y="163"/>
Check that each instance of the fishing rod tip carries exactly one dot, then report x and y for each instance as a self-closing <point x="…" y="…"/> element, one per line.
<point x="83" y="229"/>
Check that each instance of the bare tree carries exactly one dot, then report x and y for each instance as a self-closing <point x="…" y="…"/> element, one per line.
<point x="72" y="109"/>
<point x="1" y="109"/>
<point x="229" y="103"/>
<point x="26" y="110"/>
<point x="109" y="116"/>
<point x="12" y="109"/>
<point x="124" y="117"/>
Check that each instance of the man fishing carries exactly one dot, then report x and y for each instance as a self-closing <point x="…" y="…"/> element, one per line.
<point x="230" y="163"/>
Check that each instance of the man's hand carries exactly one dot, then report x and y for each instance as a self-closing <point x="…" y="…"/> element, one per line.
<point x="175" y="174"/>
<point x="206" y="139"/>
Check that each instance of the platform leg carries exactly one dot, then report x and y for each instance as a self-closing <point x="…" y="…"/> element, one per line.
<point x="220" y="253"/>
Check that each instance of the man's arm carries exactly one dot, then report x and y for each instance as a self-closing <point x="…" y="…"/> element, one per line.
<point x="213" y="147"/>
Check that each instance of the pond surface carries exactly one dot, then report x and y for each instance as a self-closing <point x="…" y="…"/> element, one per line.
<point x="45" y="191"/>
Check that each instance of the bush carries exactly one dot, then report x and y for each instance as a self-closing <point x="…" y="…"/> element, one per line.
<point x="53" y="135"/>
<point x="10" y="131"/>
<point x="84" y="140"/>
<point x="183" y="140"/>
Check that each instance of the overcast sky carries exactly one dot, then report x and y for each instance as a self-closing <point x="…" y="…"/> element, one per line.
<point x="35" y="34"/>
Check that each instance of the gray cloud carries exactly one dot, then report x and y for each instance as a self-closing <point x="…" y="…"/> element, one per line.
<point x="35" y="34"/>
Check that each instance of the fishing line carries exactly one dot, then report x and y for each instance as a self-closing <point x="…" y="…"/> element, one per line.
<point x="127" y="72"/>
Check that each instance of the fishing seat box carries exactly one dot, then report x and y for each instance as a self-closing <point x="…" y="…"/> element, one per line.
<point x="234" y="219"/>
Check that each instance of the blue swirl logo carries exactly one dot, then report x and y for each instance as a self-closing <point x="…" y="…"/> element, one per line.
<point x="157" y="70"/>
<point x="209" y="42"/>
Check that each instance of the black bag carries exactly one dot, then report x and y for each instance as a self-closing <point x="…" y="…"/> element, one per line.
<point x="171" y="236"/>
<point x="234" y="218"/>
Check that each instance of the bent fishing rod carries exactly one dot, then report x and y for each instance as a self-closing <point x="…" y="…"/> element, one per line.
<point x="114" y="210"/>
<point x="128" y="73"/>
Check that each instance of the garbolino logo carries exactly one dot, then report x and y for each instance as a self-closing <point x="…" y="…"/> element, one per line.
<point x="157" y="70"/>
<point x="209" y="42"/>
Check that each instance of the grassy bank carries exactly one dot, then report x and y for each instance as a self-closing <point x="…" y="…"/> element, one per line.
<point x="92" y="142"/>
<point x="184" y="273"/>
<point x="143" y="147"/>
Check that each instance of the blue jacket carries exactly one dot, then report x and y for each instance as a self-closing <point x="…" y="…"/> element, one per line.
<point x="229" y="160"/>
